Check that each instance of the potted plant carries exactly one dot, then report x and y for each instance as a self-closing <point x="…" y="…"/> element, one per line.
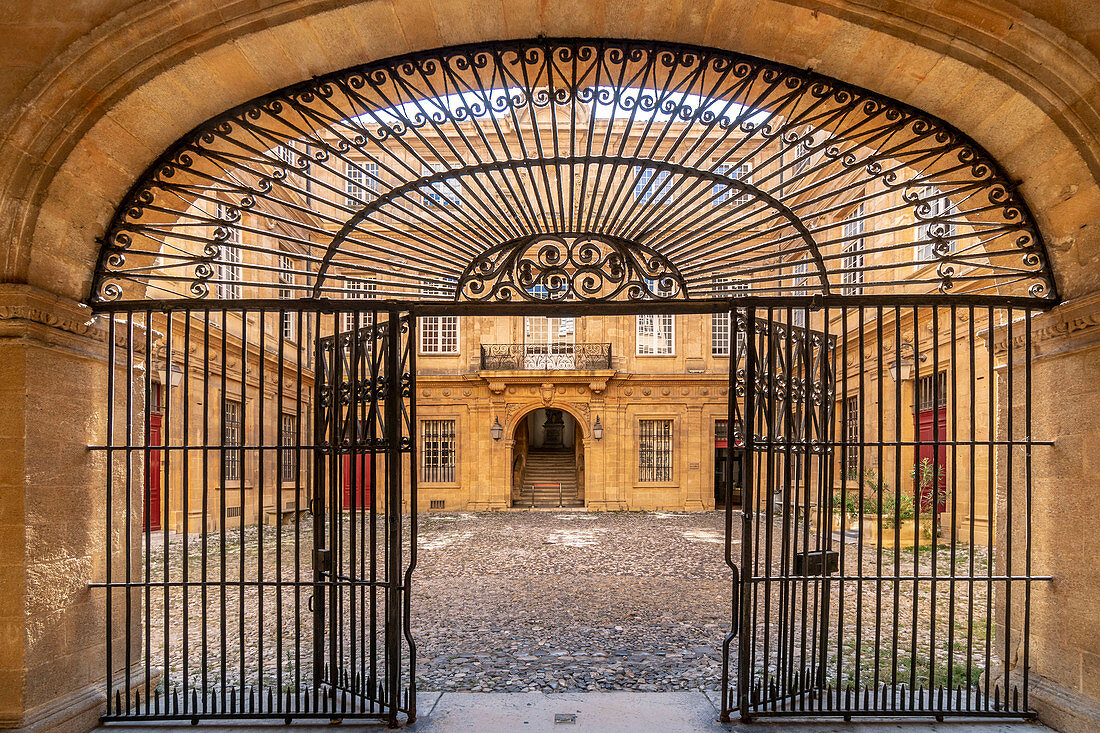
<point x="927" y="478"/>
<point x="875" y="506"/>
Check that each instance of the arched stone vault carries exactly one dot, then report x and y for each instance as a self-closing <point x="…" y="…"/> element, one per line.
<point x="107" y="104"/>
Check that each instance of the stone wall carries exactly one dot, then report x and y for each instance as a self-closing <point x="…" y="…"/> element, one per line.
<point x="1064" y="624"/>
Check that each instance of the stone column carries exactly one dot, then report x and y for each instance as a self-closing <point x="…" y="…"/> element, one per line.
<point x="53" y="399"/>
<point x="1064" y="658"/>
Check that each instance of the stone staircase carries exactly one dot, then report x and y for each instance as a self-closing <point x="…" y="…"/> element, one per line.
<point x="547" y="468"/>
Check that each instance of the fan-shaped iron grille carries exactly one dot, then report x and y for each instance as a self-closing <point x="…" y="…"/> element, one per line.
<point x="562" y="170"/>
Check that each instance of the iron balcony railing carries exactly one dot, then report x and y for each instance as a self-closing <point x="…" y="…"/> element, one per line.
<point x="545" y="356"/>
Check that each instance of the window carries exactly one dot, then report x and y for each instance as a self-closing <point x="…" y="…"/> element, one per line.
<point x="651" y="184"/>
<point x="723" y="192"/>
<point x="360" y="183"/>
<point x="231" y="426"/>
<point x="438" y="451"/>
<point x="655" y="450"/>
<point x="720" y="322"/>
<point x="441" y="192"/>
<point x="358" y="290"/>
<point x="438" y="334"/>
<point x="288" y="433"/>
<point x="852" y="263"/>
<point x="803" y="153"/>
<point x="548" y="343"/>
<point x="285" y="152"/>
<point x="228" y="264"/>
<point x="655" y="333"/>
<point x="852" y="436"/>
<point x="939" y="208"/>
<point x="799" y="280"/>
<point x="932" y="391"/>
<point x="286" y="277"/>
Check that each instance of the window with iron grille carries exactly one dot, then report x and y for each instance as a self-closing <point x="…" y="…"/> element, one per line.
<point x="358" y="290"/>
<point x="724" y="192"/>
<point x="939" y="208"/>
<point x="721" y="430"/>
<point x="932" y="390"/>
<point x="852" y="436"/>
<point x="655" y="450"/>
<point x="288" y="433"/>
<point x="229" y="257"/>
<point x="720" y="321"/>
<point x="437" y="451"/>
<point x="360" y="183"/>
<point x="853" y="260"/>
<point x="231" y="425"/>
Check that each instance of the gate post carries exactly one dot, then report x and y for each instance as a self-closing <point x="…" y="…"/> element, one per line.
<point x="322" y="380"/>
<point x="393" y="513"/>
<point x="747" y="498"/>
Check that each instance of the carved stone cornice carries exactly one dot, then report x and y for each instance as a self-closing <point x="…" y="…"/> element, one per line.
<point x="1072" y="325"/>
<point x="21" y="305"/>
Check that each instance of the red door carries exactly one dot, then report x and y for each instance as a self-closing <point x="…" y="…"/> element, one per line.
<point x="152" y="478"/>
<point x="364" y="474"/>
<point x="932" y="423"/>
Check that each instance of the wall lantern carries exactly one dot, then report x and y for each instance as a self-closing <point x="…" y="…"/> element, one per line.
<point x="497" y="430"/>
<point x="901" y="370"/>
<point x="177" y="375"/>
<point x="597" y="429"/>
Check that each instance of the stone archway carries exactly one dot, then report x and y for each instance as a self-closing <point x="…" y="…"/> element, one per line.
<point x="547" y="457"/>
<point x="49" y="155"/>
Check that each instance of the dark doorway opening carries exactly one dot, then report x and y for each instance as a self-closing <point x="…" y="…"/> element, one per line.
<point x="548" y="467"/>
<point x="722" y="456"/>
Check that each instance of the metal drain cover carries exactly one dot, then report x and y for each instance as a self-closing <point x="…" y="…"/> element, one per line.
<point x="564" y="718"/>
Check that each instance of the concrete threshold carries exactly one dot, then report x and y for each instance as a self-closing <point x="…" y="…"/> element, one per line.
<point x="596" y="712"/>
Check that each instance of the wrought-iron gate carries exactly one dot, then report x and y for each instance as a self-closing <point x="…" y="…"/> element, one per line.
<point x="880" y="563"/>
<point x="280" y="589"/>
<point x="879" y="252"/>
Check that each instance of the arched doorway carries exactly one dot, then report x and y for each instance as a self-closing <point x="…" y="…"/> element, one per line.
<point x="548" y="460"/>
<point x="300" y="256"/>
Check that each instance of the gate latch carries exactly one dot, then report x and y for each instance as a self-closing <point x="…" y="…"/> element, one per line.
<point x="816" y="562"/>
<point x="322" y="560"/>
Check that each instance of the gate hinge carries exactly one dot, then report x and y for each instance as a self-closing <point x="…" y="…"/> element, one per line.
<point x="322" y="561"/>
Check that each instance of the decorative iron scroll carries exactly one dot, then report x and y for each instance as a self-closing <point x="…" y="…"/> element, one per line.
<point x="551" y="268"/>
<point x="419" y="177"/>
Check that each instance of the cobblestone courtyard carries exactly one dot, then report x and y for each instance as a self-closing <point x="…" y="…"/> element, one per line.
<point x="571" y="601"/>
<point x="557" y="601"/>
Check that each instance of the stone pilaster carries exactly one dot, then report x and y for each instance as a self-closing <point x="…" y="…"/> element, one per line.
<point x="53" y="378"/>
<point x="1064" y="627"/>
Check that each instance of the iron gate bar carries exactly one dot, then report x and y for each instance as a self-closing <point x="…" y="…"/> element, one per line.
<point x="882" y="692"/>
<point x="149" y="586"/>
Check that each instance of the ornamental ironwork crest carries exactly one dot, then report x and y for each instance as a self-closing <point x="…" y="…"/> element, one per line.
<point x="587" y="268"/>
